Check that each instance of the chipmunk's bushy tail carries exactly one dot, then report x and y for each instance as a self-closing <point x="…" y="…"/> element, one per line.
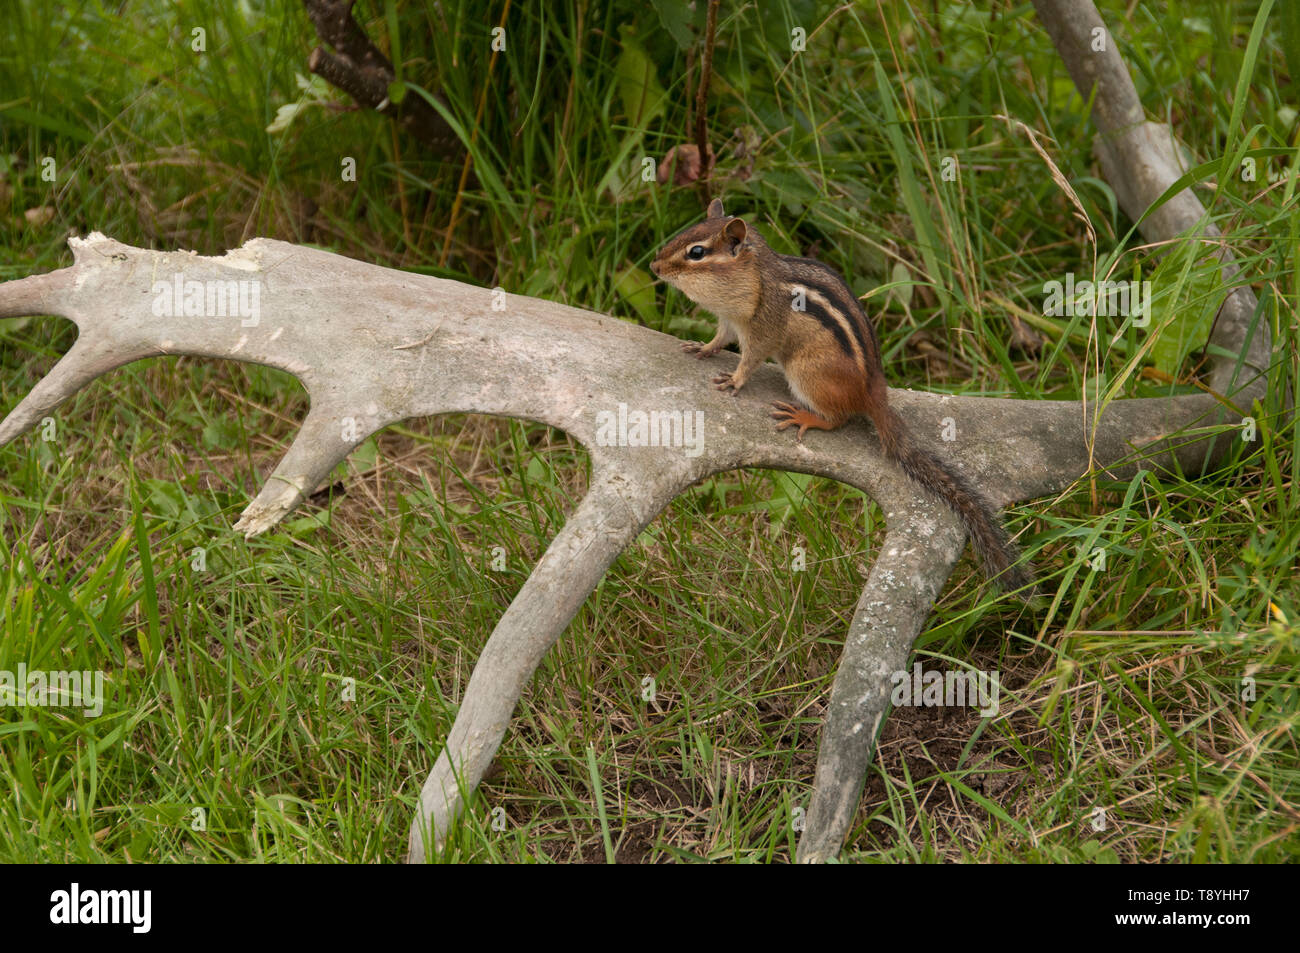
<point x="995" y="549"/>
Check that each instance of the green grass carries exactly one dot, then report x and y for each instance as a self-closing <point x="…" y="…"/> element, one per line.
<point x="298" y="687"/>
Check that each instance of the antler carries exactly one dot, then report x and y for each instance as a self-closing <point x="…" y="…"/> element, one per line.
<point x="374" y="346"/>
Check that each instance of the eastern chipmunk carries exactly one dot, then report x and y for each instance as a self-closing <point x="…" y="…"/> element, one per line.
<point x="827" y="349"/>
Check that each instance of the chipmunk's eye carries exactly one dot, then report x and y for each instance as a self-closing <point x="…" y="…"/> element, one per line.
<point x="696" y="252"/>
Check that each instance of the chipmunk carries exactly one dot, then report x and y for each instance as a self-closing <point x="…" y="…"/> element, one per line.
<point x="801" y="312"/>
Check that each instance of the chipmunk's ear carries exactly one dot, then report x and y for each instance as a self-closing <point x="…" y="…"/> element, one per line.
<point x="735" y="232"/>
<point x="715" y="209"/>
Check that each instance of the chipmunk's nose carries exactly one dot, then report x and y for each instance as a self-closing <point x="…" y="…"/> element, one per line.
<point x="654" y="268"/>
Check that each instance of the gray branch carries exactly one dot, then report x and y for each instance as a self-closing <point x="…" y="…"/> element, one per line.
<point x="374" y="346"/>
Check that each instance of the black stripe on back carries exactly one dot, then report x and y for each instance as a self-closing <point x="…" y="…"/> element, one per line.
<point x="827" y="320"/>
<point x="833" y="287"/>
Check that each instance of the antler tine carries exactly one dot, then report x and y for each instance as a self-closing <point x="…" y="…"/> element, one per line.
<point x="81" y="365"/>
<point x="55" y="293"/>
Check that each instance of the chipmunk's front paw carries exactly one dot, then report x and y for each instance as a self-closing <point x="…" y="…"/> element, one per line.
<point x="728" y="384"/>
<point x="699" y="349"/>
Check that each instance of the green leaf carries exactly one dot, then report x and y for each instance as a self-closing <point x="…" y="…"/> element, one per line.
<point x="638" y="84"/>
<point x="538" y="473"/>
<point x="1185" y="295"/>
<point x="637" y="288"/>
<point x="623" y="178"/>
<point x="900" y="288"/>
<point x="1288" y="15"/>
<point x="927" y="235"/>
<point x="677" y="17"/>
<point x="366" y="455"/>
<point x="690" y="327"/>
<point x="306" y="525"/>
<point x="21" y="114"/>
<point x="1242" y="94"/>
<point x="283" y="117"/>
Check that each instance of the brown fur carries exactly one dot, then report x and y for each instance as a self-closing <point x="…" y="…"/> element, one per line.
<point x="828" y="351"/>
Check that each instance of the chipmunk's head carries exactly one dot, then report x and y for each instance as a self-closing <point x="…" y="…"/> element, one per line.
<point x="714" y="263"/>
